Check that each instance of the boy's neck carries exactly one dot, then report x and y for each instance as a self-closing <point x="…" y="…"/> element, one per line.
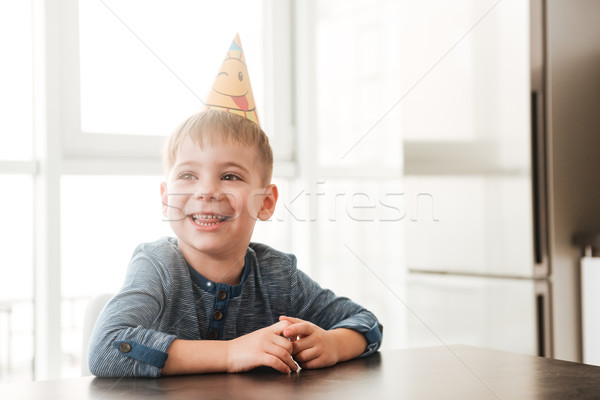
<point x="217" y="269"/>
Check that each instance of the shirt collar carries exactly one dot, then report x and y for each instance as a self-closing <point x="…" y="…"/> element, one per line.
<point x="211" y="287"/>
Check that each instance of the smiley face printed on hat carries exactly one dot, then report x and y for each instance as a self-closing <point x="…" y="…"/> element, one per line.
<point x="231" y="90"/>
<point x="232" y="86"/>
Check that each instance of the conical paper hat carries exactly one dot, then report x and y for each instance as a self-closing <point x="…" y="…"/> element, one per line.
<point x="232" y="91"/>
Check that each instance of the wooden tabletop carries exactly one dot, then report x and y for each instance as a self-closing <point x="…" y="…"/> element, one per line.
<point x="455" y="372"/>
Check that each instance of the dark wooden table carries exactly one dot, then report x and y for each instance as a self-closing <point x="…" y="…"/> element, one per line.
<point x="455" y="372"/>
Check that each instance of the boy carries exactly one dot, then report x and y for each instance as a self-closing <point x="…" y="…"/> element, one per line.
<point x="209" y="300"/>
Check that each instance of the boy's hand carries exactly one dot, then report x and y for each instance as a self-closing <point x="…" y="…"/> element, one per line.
<point x="314" y="347"/>
<point x="264" y="347"/>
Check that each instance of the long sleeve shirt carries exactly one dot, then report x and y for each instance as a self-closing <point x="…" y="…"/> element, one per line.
<point x="163" y="299"/>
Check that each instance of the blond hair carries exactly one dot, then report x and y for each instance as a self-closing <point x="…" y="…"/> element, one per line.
<point x="220" y="127"/>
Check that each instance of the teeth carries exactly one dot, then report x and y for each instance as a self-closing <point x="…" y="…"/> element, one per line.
<point x="207" y="223"/>
<point x="208" y="216"/>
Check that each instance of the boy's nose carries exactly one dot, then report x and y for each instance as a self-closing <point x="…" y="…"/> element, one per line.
<point x="206" y="191"/>
<point x="205" y="195"/>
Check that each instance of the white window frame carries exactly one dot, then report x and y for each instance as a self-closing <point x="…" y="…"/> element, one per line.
<point x="86" y="152"/>
<point x="75" y="143"/>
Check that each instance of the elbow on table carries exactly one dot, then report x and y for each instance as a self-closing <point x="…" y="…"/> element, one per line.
<point x="105" y="362"/>
<point x="108" y="361"/>
<point x="100" y="363"/>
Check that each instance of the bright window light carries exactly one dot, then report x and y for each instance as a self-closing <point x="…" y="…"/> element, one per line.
<point x="16" y="80"/>
<point x="146" y="65"/>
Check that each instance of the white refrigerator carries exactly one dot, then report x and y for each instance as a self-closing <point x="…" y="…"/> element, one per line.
<point x="488" y="253"/>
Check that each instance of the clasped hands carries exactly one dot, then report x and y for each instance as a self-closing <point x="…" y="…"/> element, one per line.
<point x="282" y="345"/>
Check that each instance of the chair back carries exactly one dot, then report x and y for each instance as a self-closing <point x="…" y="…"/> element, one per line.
<point x="92" y="311"/>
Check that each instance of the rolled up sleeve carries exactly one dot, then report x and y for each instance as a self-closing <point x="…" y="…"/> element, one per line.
<point x="125" y="342"/>
<point x="323" y="308"/>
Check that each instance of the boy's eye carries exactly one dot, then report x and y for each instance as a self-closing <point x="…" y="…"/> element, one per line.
<point x="186" y="176"/>
<point x="231" y="177"/>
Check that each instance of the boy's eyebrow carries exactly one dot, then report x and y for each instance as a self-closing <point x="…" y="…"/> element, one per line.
<point x="234" y="164"/>
<point x="223" y="164"/>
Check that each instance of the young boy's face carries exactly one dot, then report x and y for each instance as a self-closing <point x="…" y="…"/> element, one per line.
<point x="213" y="196"/>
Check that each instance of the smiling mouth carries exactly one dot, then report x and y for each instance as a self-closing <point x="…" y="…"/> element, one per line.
<point x="231" y="95"/>
<point x="208" y="219"/>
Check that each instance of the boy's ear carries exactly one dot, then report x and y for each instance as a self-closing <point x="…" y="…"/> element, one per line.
<point x="164" y="197"/>
<point x="268" y="203"/>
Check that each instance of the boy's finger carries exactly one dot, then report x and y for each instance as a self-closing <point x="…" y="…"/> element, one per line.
<point x="290" y="362"/>
<point x="300" y="346"/>
<point x="291" y="319"/>
<point x="299" y="329"/>
<point x="284" y="356"/>
<point x="276" y="363"/>
<point x="278" y="327"/>
<point x="284" y="343"/>
<point x="306" y="355"/>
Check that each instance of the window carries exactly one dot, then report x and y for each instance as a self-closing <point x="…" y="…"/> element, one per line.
<point x="104" y="218"/>
<point x="16" y="165"/>
<point x="146" y="64"/>
<point x="350" y="201"/>
<point x="133" y="76"/>
<point x="15" y="80"/>
<point x="127" y="74"/>
<point x="16" y="287"/>
<point x="355" y="84"/>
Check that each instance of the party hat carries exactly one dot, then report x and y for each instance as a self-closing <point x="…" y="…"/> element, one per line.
<point x="231" y="90"/>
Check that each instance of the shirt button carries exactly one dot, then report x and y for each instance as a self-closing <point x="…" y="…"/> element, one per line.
<point x="213" y="335"/>
<point x="125" y="347"/>
<point x="217" y="315"/>
<point x="222" y="295"/>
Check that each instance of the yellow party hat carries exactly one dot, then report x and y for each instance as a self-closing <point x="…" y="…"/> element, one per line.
<point x="232" y="91"/>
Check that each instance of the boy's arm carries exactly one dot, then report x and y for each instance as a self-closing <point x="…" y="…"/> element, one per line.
<point x="315" y="347"/>
<point x="123" y="342"/>
<point x="329" y="312"/>
<point x="264" y="347"/>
